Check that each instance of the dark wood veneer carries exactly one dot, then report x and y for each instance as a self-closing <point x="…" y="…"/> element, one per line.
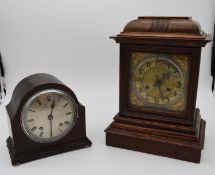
<point x="21" y="148"/>
<point x="173" y="134"/>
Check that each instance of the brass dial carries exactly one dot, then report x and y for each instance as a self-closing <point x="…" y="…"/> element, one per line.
<point x="159" y="80"/>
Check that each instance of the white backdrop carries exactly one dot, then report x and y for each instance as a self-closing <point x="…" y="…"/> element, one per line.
<point x="69" y="39"/>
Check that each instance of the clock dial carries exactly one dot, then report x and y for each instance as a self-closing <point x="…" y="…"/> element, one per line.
<point x="49" y="115"/>
<point x="159" y="81"/>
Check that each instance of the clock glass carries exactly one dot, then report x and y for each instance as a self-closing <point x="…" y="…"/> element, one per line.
<point x="158" y="81"/>
<point x="48" y="115"/>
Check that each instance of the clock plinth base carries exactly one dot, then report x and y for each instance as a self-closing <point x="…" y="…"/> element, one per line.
<point x="157" y="141"/>
<point x="17" y="159"/>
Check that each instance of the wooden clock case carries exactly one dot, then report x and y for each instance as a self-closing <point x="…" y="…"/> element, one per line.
<point x="166" y="133"/>
<point x="21" y="148"/>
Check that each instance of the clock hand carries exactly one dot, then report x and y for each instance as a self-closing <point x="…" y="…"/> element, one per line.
<point x="52" y="106"/>
<point x="50" y="117"/>
<point x="159" y="82"/>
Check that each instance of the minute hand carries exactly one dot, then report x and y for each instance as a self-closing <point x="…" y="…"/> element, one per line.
<point x="52" y="106"/>
<point x="159" y="82"/>
<point x="50" y="117"/>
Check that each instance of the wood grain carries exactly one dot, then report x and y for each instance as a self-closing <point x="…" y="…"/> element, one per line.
<point x="172" y="134"/>
<point x="22" y="148"/>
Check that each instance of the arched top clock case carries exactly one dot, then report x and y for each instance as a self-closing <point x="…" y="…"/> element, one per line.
<point x="21" y="147"/>
<point x="31" y="85"/>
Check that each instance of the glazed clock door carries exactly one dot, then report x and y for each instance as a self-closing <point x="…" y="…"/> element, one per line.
<point x="157" y="81"/>
<point x="49" y="115"/>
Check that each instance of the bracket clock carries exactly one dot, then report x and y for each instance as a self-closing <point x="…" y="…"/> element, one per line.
<point x="46" y="119"/>
<point x="159" y="69"/>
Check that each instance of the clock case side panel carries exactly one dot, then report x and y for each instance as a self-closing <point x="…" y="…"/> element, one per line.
<point x="186" y="117"/>
<point x="21" y="148"/>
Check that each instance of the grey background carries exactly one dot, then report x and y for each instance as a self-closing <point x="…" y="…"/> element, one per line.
<point x="70" y="39"/>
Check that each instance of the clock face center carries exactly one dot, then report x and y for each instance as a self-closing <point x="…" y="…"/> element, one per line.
<point x="159" y="81"/>
<point x="49" y="115"/>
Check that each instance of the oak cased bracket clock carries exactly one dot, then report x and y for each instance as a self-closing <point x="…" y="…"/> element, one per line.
<point x="159" y="69"/>
<point x="46" y="118"/>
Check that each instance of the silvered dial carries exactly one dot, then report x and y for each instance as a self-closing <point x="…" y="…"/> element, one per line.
<point x="48" y="115"/>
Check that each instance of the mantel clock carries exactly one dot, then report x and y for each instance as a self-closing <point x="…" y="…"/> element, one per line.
<point x="46" y="118"/>
<point x="159" y="69"/>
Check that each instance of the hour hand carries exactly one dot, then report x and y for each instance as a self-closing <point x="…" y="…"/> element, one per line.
<point x="157" y="82"/>
<point x="53" y="104"/>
